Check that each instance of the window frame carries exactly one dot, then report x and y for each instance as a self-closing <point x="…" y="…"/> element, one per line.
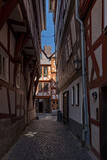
<point x="18" y="81"/>
<point x="73" y="96"/>
<point x="77" y="94"/>
<point x="41" y="71"/>
<point x="46" y="85"/>
<point x="45" y="74"/>
<point x="39" y="88"/>
<point x="4" y="66"/>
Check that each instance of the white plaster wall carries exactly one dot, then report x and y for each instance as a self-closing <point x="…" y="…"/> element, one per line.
<point x="95" y="137"/>
<point x="98" y="55"/>
<point x="94" y="103"/>
<point x="3" y="101"/>
<point x="12" y="44"/>
<point x="73" y="30"/>
<point x="44" y="60"/>
<point x="96" y="16"/>
<point x="12" y="101"/>
<point x="11" y="73"/>
<point x="75" y="112"/>
<point x="3" y="35"/>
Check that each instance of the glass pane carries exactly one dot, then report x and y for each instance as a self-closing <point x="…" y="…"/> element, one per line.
<point x="45" y="71"/>
<point x="45" y="87"/>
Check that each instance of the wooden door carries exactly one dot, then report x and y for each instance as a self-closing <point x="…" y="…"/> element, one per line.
<point x="66" y="107"/>
<point x="104" y="123"/>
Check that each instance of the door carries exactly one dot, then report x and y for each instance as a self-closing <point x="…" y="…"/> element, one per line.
<point x="66" y="107"/>
<point x="104" y="123"/>
<point x="40" y="107"/>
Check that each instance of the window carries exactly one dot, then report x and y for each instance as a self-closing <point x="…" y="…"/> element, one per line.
<point x="41" y="70"/>
<point x="45" y="87"/>
<point x="73" y="98"/>
<point x="40" y="55"/>
<point x="18" y="79"/>
<point x="4" y="65"/>
<point x="45" y="71"/>
<point x="77" y="94"/>
<point x="40" y="87"/>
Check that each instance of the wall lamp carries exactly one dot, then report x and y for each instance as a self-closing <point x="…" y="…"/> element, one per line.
<point x="77" y="63"/>
<point x="94" y="94"/>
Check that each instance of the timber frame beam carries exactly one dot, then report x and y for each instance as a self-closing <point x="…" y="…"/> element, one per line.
<point x="6" y="11"/>
<point x="46" y="54"/>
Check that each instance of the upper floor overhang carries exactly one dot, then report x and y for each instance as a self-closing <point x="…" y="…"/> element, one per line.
<point x="84" y="7"/>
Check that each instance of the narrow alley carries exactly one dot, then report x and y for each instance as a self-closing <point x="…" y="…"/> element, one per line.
<point x="47" y="139"/>
<point x="53" y="79"/>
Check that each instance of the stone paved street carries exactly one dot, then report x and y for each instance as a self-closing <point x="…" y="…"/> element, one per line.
<point x="47" y="139"/>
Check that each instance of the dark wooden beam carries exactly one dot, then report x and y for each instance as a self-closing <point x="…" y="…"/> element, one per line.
<point x="19" y="44"/>
<point x="6" y="11"/>
<point x="29" y="48"/>
<point x="46" y="54"/>
<point x="52" y="55"/>
<point x="17" y="54"/>
<point x="28" y="61"/>
<point x="8" y="97"/>
<point x="19" y="23"/>
<point x="30" y="89"/>
<point x="0" y="6"/>
<point x="24" y="42"/>
<point x="18" y="59"/>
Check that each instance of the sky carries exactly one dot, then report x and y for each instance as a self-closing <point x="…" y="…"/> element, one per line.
<point x="47" y="37"/>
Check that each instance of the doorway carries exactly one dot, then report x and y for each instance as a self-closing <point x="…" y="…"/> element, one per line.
<point x="66" y="107"/>
<point x="40" y="107"/>
<point x="104" y="123"/>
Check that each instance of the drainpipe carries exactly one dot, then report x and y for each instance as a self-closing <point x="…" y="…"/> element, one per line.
<point x="85" y="131"/>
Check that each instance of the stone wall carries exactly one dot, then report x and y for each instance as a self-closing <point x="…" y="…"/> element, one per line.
<point x="9" y="133"/>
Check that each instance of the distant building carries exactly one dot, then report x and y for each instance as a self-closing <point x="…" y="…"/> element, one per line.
<point x="46" y="97"/>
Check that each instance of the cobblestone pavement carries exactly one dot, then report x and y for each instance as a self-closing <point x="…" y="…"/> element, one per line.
<point x="47" y="139"/>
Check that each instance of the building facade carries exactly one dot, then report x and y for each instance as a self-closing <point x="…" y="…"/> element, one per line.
<point x="94" y="17"/>
<point x="69" y="65"/>
<point x="46" y="97"/>
<point x="21" y="23"/>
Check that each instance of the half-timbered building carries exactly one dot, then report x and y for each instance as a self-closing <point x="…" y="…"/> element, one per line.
<point x="69" y="61"/>
<point x="21" y="23"/>
<point x="46" y="96"/>
<point x="94" y="16"/>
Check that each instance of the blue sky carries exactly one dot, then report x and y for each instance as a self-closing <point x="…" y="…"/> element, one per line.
<point x="47" y="37"/>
